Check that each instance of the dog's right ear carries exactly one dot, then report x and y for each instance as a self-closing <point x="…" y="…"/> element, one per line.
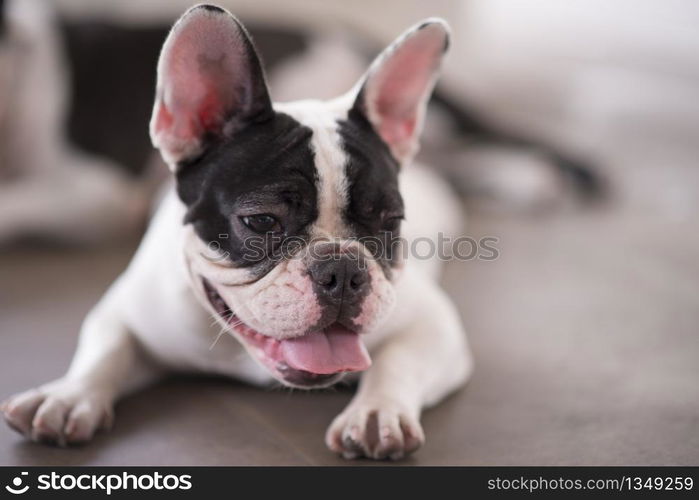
<point x="210" y="84"/>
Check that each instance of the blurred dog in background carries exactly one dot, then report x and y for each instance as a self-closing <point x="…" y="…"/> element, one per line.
<point x="49" y="187"/>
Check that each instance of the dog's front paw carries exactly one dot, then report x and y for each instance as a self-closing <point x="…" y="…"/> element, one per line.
<point x="62" y="412"/>
<point x="378" y="431"/>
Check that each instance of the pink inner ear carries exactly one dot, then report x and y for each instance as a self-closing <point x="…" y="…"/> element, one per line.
<point x="191" y="124"/>
<point x="200" y="74"/>
<point x="212" y="111"/>
<point x="163" y="119"/>
<point x="400" y="86"/>
<point x="201" y="63"/>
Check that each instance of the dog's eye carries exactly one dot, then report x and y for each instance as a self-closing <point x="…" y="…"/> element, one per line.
<point x="262" y="223"/>
<point x="392" y="224"/>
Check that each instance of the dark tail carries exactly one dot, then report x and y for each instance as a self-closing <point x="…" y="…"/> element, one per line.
<point x="581" y="176"/>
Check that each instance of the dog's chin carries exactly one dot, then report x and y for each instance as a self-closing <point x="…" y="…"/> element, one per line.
<point x="275" y="356"/>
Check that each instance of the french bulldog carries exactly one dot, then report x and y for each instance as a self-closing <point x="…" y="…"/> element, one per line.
<point x="285" y="228"/>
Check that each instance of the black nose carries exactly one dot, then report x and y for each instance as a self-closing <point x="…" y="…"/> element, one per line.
<point x="340" y="278"/>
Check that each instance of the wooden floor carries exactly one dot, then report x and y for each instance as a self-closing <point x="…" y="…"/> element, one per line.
<point x="585" y="331"/>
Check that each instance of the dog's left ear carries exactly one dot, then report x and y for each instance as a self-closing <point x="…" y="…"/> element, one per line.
<point x="394" y="92"/>
<point x="210" y="84"/>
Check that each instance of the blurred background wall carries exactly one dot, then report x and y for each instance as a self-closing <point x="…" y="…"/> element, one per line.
<point x="618" y="79"/>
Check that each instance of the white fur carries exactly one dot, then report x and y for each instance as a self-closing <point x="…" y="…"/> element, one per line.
<point x="330" y="162"/>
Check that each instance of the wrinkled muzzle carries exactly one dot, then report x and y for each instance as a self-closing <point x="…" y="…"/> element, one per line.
<point x="304" y="320"/>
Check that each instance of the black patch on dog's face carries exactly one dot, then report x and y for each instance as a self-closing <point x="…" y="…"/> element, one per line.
<point x="375" y="206"/>
<point x="266" y="168"/>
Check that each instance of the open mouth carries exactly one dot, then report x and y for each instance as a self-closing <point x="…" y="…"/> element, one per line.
<point x="315" y="359"/>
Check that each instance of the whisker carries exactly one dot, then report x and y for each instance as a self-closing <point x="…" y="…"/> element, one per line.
<point x="224" y="328"/>
<point x="220" y="334"/>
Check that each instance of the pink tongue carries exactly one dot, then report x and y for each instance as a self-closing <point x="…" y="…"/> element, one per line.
<point x="330" y="351"/>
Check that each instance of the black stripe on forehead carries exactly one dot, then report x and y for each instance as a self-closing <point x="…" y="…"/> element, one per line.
<point x="372" y="172"/>
<point x="373" y="195"/>
<point x="265" y="168"/>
